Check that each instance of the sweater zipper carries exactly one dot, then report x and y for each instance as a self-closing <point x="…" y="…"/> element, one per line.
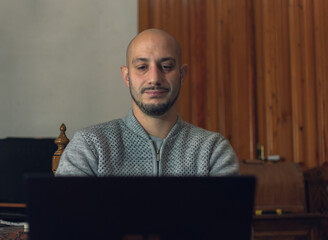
<point x="157" y="161"/>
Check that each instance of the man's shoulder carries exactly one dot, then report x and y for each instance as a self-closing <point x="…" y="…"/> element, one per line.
<point x="196" y="131"/>
<point x="106" y="128"/>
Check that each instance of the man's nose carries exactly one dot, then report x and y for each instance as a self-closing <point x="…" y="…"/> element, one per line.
<point x="155" y="76"/>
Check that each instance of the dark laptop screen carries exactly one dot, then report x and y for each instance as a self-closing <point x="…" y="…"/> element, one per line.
<point x="111" y="208"/>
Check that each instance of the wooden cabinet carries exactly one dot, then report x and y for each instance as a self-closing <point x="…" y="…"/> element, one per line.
<point x="283" y="186"/>
<point x="278" y="186"/>
<point x="289" y="227"/>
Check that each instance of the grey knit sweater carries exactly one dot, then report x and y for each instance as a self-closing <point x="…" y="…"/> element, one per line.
<point x="122" y="147"/>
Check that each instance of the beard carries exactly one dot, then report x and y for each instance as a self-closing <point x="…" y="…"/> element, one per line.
<point x="154" y="110"/>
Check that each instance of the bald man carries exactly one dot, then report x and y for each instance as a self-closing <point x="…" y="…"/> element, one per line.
<point x="152" y="140"/>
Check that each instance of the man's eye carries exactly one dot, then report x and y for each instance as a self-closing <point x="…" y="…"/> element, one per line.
<point x="167" y="67"/>
<point x="142" y="67"/>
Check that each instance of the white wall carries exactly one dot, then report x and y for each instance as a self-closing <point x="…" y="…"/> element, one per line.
<point x="60" y="62"/>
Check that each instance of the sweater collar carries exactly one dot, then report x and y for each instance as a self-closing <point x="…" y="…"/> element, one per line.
<point x="133" y="124"/>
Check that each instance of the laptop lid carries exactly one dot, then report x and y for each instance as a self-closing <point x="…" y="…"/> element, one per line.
<point x="114" y="207"/>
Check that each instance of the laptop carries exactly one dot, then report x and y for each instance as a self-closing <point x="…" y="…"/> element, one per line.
<point x="141" y="207"/>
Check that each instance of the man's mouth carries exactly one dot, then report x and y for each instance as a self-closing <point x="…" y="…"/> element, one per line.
<point x="154" y="91"/>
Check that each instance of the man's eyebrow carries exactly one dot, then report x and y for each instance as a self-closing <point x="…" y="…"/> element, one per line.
<point x="147" y="60"/>
<point x="168" y="59"/>
<point x="140" y="60"/>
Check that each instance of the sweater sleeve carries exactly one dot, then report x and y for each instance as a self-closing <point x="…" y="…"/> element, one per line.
<point x="224" y="161"/>
<point x="77" y="159"/>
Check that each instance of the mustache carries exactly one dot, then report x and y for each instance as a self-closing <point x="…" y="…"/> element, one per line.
<point x="154" y="88"/>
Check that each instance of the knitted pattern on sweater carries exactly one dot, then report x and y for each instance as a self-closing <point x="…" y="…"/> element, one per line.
<point x="122" y="147"/>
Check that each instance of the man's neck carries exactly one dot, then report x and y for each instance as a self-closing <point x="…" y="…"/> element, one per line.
<point x="157" y="126"/>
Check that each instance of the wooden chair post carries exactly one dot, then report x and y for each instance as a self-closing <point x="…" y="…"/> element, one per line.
<point x="61" y="141"/>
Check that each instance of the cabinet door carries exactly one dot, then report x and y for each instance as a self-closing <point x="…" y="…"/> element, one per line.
<point x="289" y="235"/>
<point x="296" y="227"/>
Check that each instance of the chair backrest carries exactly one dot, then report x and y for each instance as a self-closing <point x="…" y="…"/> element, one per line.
<point x="61" y="141"/>
<point x="316" y="180"/>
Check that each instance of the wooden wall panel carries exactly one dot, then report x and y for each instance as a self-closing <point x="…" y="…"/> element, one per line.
<point x="197" y="63"/>
<point x="287" y="84"/>
<point x="273" y="91"/>
<point x="258" y="71"/>
<point x="302" y="82"/>
<point x="229" y="74"/>
<point x="235" y="78"/>
<point x="321" y="73"/>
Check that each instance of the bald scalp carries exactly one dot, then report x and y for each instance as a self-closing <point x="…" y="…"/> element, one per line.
<point x="150" y="33"/>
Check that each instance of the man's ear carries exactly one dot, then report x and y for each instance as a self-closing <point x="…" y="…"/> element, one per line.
<point x="125" y="75"/>
<point x="183" y="72"/>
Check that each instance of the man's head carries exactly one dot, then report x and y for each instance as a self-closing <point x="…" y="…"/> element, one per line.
<point x="154" y="71"/>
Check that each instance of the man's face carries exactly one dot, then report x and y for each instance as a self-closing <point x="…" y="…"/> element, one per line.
<point x="154" y="76"/>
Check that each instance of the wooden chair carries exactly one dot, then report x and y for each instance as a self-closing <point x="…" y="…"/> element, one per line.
<point x="61" y="142"/>
<point x="316" y="180"/>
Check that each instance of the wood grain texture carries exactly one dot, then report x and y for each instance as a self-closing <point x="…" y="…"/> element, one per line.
<point x="321" y="71"/>
<point x="258" y="71"/>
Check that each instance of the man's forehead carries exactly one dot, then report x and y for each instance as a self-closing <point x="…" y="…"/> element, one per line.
<point x="149" y="46"/>
<point x="153" y="44"/>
